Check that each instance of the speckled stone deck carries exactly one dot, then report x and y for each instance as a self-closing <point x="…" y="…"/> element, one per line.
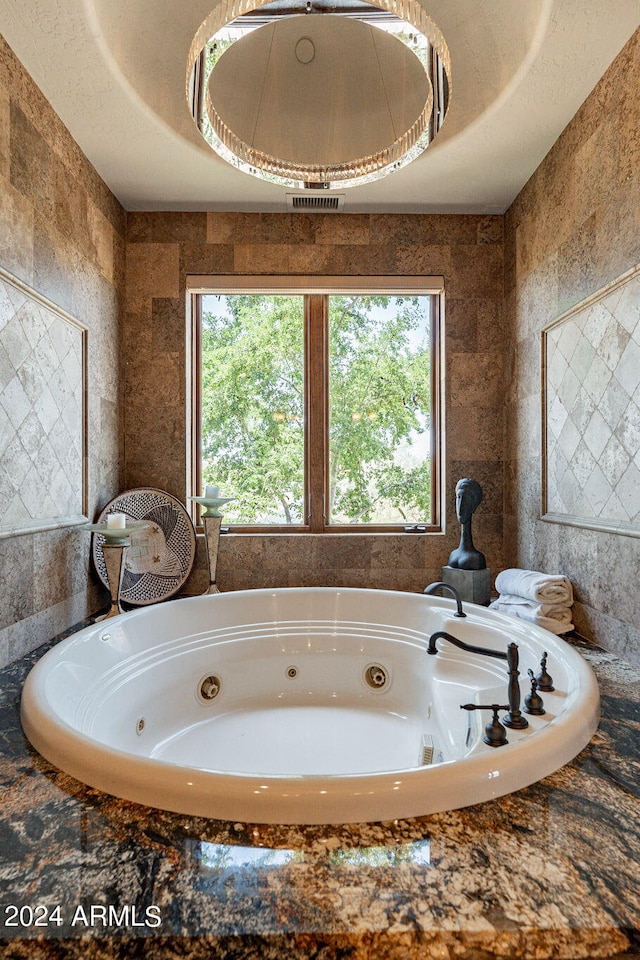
<point x="552" y="871"/>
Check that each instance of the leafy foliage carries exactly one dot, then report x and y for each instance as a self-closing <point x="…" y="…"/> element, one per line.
<point x="379" y="397"/>
<point x="253" y="407"/>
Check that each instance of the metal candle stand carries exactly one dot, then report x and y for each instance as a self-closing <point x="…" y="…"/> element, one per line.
<point x="212" y="543"/>
<point x="113" y="554"/>
<point x="211" y="521"/>
<point x="115" y="542"/>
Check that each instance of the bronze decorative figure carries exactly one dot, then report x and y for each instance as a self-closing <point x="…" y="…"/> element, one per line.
<point x="468" y="499"/>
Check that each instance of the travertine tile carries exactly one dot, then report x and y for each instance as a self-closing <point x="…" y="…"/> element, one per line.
<point x="575" y="265"/>
<point x="32" y="165"/>
<point x="627" y="647"/>
<point x="617" y="233"/>
<point x="343" y="228"/>
<point x="335" y="550"/>
<point x="206" y="259"/>
<point x="404" y="229"/>
<point x="254" y="258"/>
<point x="526" y="371"/>
<point x="21" y="638"/>
<point x="491" y="326"/>
<point x="476" y="271"/>
<point x="585" y="193"/>
<point x="152" y="271"/>
<point x="55" y="263"/>
<point x="70" y="206"/>
<point x="591" y="622"/>
<point x="61" y="561"/>
<point x="261" y="228"/>
<point x="490" y="230"/>
<point x="101" y="241"/>
<point x="169" y="227"/>
<point x="412" y="580"/>
<point x="476" y="380"/>
<point x="461" y="326"/>
<point x="221" y="227"/>
<point x="537" y="298"/>
<point x="434" y="259"/>
<point x="143" y="470"/>
<point x="158" y="402"/>
<point x="309" y="259"/>
<point x="476" y="435"/>
<point x="361" y="260"/>
<point x="451" y="228"/>
<point x="615" y="560"/>
<point x="48" y="125"/>
<point x="399" y="552"/>
<point x="16" y="232"/>
<point x="96" y="303"/>
<point x="168" y="324"/>
<point x="5" y="133"/>
<point x="16" y="579"/>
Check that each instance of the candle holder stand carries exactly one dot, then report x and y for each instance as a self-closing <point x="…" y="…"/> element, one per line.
<point x="113" y="554"/>
<point x="115" y="542"/>
<point x="212" y="542"/>
<point x="211" y="521"/>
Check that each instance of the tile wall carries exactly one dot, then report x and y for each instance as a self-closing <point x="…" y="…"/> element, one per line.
<point x="573" y="228"/>
<point x="163" y="248"/>
<point x="62" y="233"/>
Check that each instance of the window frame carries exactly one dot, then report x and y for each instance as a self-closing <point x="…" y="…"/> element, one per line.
<point x="316" y="290"/>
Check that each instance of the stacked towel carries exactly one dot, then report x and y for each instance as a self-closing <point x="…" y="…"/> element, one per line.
<point x="541" y="598"/>
<point x="531" y="585"/>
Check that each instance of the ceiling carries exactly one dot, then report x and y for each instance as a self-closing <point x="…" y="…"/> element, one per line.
<point x="115" y="72"/>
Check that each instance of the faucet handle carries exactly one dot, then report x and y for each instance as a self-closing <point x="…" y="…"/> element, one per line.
<point x="544" y="680"/>
<point x="495" y="734"/>
<point x="533" y="701"/>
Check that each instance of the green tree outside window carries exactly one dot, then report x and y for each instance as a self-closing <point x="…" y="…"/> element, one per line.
<point x="379" y="395"/>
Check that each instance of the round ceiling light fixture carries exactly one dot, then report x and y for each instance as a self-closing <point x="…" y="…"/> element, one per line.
<point x="318" y="100"/>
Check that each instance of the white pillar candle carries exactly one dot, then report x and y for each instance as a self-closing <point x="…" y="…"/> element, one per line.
<point x="116" y="521"/>
<point x="212" y="493"/>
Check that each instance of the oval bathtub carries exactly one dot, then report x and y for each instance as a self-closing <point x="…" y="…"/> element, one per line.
<point x="301" y="705"/>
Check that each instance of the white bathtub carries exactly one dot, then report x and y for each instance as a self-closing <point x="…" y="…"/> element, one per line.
<point x="299" y="729"/>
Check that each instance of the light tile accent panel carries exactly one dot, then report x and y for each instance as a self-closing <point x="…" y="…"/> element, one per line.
<point x="42" y="413"/>
<point x="593" y="409"/>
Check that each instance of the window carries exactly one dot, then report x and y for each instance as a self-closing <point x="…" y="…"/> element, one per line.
<point x="317" y="409"/>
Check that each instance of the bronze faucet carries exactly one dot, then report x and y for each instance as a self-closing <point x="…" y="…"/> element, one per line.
<point x="440" y="584"/>
<point x="514" y="718"/>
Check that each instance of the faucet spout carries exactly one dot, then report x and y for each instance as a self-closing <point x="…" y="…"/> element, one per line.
<point x="514" y="718"/>
<point x="441" y="585"/>
<point x="469" y="647"/>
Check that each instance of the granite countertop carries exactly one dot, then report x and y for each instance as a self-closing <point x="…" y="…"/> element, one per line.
<point x="552" y="871"/>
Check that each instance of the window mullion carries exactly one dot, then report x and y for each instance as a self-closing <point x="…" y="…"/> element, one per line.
<point x="194" y="424"/>
<point x="316" y="381"/>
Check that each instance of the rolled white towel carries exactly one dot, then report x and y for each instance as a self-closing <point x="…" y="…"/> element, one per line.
<point x="525" y="613"/>
<point x="540" y="587"/>
<point x="556" y="611"/>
